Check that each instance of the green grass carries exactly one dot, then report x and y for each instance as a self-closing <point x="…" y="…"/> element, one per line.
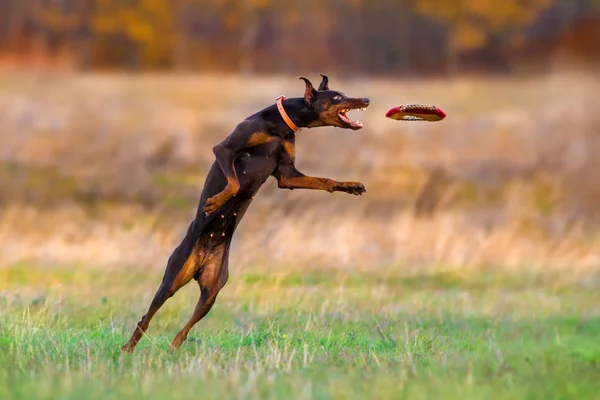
<point x="292" y="333"/>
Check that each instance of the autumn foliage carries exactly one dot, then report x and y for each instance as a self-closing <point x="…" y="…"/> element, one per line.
<point x="375" y="36"/>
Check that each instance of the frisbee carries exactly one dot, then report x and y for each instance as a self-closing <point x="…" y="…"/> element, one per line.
<point x="416" y="112"/>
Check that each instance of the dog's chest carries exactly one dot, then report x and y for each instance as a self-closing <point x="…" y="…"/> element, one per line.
<point x="263" y="155"/>
<point x="254" y="166"/>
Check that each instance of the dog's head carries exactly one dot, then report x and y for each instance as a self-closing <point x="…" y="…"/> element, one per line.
<point x="332" y="106"/>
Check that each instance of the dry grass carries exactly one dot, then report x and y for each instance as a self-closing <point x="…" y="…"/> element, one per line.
<point x="309" y="240"/>
<point x="107" y="169"/>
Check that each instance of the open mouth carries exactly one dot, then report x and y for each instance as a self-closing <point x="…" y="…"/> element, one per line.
<point x="343" y="114"/>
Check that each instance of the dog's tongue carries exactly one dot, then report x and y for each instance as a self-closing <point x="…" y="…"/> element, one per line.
<point x="349" y="120"/>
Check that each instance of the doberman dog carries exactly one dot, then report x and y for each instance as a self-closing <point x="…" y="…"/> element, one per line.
<point x="261" y="146"/>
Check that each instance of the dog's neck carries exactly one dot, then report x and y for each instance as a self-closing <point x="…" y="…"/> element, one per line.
<point x="298" y="112"/>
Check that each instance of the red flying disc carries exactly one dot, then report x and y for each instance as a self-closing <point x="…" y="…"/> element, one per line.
<point x="416" y="112"/>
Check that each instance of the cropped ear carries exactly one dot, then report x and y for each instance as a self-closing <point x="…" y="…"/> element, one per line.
<point x="310" y="94"/>
<point x="324" y="83"/>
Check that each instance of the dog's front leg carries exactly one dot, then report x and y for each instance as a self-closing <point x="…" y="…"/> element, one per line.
<point x="288" y="177"/>
<point x="330" y="185"/>
<point x="225" y="158"/>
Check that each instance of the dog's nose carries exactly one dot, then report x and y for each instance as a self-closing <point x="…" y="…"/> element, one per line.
<point x="366" y="100"/>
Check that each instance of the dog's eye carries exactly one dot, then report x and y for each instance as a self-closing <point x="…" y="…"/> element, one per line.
<point x="338" y="97"/>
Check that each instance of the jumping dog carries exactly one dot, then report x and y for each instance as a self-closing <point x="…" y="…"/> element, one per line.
<point x="261" y="146"/>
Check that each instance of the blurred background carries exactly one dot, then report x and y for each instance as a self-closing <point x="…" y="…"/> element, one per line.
<point x="109" y="110"/>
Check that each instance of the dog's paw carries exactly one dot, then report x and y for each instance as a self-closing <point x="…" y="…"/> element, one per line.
<point x="127" y="349"/>
<point x="212" y="204"/>
<point x="355" y="188"/>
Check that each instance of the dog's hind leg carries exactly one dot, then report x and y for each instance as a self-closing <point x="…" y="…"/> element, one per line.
<point x="178" y="273"/>
<point x="212" y="278"/>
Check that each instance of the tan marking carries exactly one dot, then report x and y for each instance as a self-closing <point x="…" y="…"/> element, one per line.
<point x="260" y="138"/>
<point x="232" y="188"/>
<point x="189" y="267"/>
<point x="315" y="124"/>
<point x="233" y="185"/>
<point x="308" y="182"/>
<point x="212" y="270"/>
<point x="290" y="148"/>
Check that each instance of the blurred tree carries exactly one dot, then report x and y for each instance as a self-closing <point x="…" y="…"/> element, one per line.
<point x="471" y="23"/>
<point x="248" y="36"/>
<point x="145" y="26"/>
<point x="387" y="35"/>
<point x="12" y="15"/>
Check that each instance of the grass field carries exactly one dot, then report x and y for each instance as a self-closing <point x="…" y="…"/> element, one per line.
<point x="293" y="333"/>
<point x="493" y="292"/>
